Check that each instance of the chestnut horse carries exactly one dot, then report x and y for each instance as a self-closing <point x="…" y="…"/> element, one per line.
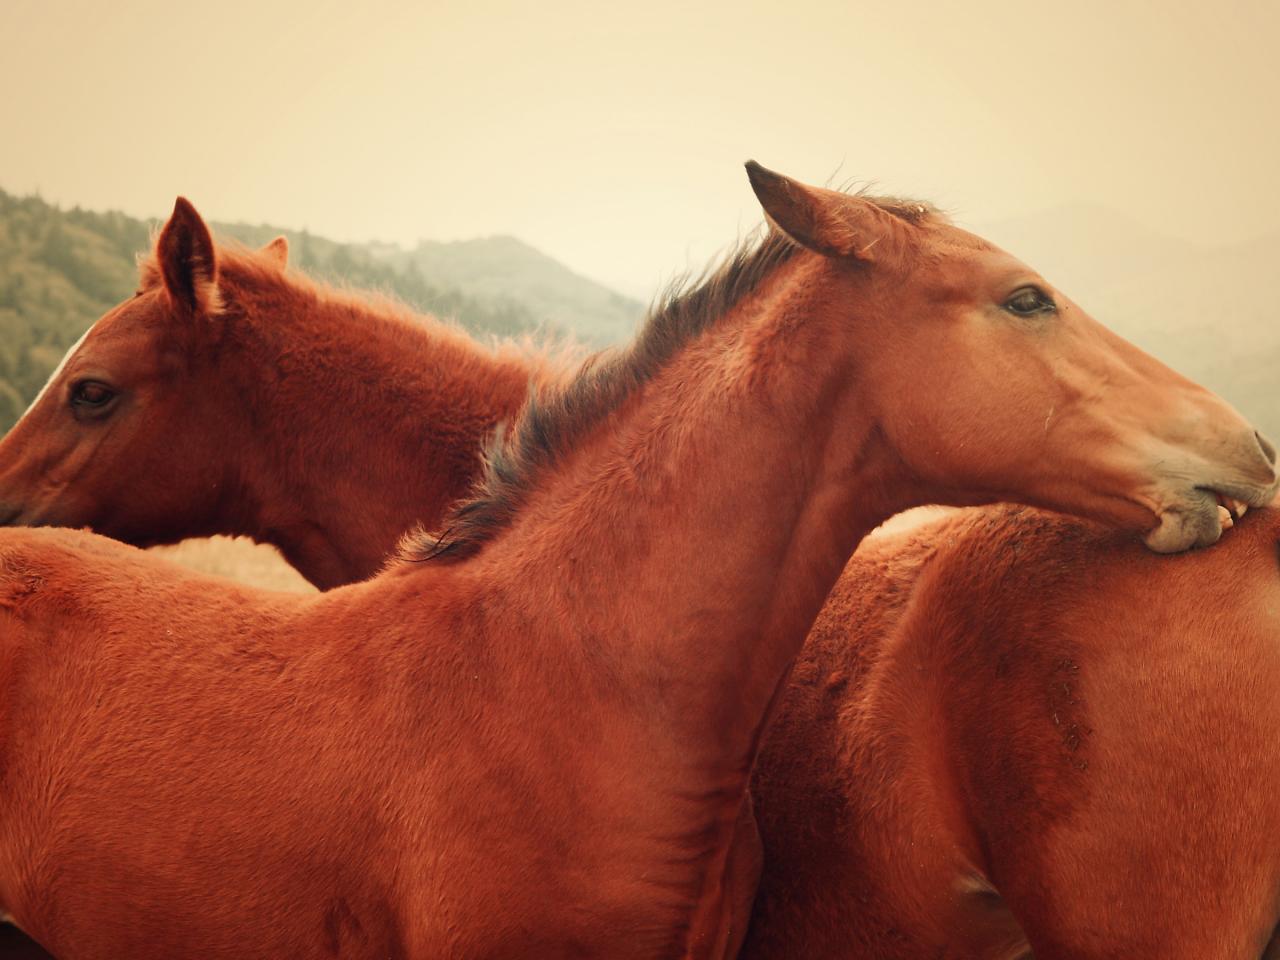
<point x="1011" y="733"/>
<point x="533" y="735"/>
<point x="258" y="403"/>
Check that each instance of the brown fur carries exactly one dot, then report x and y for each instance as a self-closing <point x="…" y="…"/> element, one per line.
<point x="555" y="418"/>
<point x="558" y="415"/>
<point x="325" y="422"/>
<point x="1014" y="702"/>
<point x="543" y="748"/>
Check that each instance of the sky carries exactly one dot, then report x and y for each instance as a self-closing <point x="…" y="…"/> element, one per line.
<point x="612" y="136"/>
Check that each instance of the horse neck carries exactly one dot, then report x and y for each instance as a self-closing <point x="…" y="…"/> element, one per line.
<point x="695" y="533"/>
<point x="372" y="425"/>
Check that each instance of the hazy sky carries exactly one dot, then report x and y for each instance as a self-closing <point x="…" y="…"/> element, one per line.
<point x="612" y="137"/>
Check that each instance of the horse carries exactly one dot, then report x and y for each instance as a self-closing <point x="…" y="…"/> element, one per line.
<point x="262" y="404"/>
<point x="532" y="734"/>
<point x="1013" y="734"/>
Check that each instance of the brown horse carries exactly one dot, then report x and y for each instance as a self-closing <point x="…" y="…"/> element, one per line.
<point x="260" y="403"/>
<point x="1013" y="733"/>
<point x="254" y="402"/>
<point x="536" y="738"/>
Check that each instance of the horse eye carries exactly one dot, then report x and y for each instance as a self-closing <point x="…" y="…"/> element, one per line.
<point x="1029" y="301"/>
<point x="91" y="395"/>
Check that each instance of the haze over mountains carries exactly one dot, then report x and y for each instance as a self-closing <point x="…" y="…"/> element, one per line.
<point x="506" y="270"/>
<point x="1203" y="309"/>
<point x="1206" y="310"/>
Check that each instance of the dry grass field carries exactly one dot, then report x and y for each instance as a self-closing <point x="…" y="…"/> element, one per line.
<point x="237" y="559"/>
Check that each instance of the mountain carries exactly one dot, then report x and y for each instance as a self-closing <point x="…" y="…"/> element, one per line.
<point x="62" y="269"/>
<point x="504" y="269"/>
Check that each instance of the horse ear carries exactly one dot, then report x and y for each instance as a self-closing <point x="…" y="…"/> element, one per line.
<point x="825" y="221"/>
<point x="278" y="250"/>
<point x="187" y="260"/>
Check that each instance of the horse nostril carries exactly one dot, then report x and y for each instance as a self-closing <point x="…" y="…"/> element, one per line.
<point x="1268" y="450"/>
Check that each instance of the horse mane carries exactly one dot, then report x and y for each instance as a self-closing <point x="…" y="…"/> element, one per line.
<point x="555" y="418"/>
<point x="243" y="268"/>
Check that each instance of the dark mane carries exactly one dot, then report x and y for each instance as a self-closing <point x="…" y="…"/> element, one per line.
<point x="553" y="419"/>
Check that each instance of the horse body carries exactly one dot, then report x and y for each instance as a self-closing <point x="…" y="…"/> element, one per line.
<point x="294" y="735"/>
<point x="529" y="735"/>
<point x="863" y="857"/>
<point x="1008" y="701"/>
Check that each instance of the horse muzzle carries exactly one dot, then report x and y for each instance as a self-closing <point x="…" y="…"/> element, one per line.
<point x="1198" y="517"/>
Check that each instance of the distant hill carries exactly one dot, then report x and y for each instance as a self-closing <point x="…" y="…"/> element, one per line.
<point x="359" y="266"/>
<point x="1207" y="311"/>
<point x="62" y="269"/>
<point x="504" y="269"/>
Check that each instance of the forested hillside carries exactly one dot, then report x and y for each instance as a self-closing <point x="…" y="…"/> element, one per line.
<point x="61" y="269"/>
<point x="58" y="271"/>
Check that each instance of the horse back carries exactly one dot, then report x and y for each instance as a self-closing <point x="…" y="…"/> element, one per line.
<point x="1111" y="721"/>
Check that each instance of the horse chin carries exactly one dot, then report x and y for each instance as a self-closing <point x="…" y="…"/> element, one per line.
<point x="1195" y="523"/>
<point x="1196" y="517"/>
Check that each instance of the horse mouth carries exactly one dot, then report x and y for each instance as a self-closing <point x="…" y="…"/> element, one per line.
<point x="1229" y="509"/>
<point x="1199" y="518"/>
